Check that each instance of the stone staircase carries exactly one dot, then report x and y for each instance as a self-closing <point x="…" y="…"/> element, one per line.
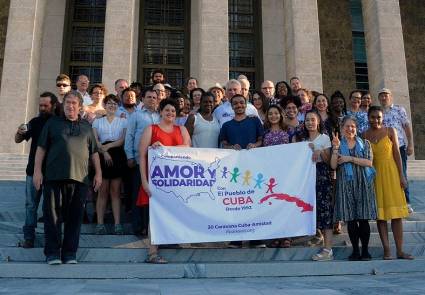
<point x="120" y="257"/>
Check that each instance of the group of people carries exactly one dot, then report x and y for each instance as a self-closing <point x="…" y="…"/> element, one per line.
<point x="86" y="142"/>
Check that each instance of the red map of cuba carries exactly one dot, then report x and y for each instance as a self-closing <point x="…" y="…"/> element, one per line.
<point x="306" y="207"/>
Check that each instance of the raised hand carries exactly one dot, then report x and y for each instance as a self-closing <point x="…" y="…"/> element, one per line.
<point x="335" y="140"/>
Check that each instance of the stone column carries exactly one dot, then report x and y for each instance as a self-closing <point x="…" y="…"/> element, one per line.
<point x="302" y="42"/>
<point x="385" y="49"/>
<point x="119" y="59"/>
<point x="21" y="67"/>
<point x="51" y="47"/>
<point x="273" y="40"/>
<point x="209" y="48"/>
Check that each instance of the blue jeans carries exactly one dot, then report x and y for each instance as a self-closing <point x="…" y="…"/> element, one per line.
<point x="32" y="200"/>
<point x="403" y="154"/>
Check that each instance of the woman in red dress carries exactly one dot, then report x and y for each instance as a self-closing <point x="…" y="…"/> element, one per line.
<point x="166" y="133"/>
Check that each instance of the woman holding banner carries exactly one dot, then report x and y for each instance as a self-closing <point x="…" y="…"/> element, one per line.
<point x="276" y="132"/>
<point x="320" y="144"/>
<point x="166" y="133"/>
<point x="355" y="193"/>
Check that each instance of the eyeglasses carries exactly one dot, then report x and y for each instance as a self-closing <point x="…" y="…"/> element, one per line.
<point x="111" y="104"/>
<point x="61" y="85"/>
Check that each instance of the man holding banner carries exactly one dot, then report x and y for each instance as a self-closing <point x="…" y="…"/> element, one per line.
<point x="242" y="132"/>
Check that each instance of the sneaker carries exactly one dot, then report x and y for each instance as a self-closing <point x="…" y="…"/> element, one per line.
<point x="410" y="209"/>
<point x="27" y="244"/>
<point x="118" y="229"/>
<point x="53" y="261"/>
<point x="323" y="255"/>
<point x="100" y="229"/>
<point x="70" y="261"/>
<point x="260" y="246"/>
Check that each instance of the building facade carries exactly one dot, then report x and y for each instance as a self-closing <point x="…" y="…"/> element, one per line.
<point x="331" y="45"/>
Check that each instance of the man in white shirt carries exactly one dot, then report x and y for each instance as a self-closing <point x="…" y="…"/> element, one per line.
<point x="244" y="88"/>
<point x="82" y="87"/>
<point x="224" y="112"/>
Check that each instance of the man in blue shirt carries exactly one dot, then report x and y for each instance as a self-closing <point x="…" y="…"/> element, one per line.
<point x="242" y="132"/>
<point x="136" y="124"/>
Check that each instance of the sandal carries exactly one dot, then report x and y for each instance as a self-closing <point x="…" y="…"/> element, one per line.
<point x="286" y="243"/>
<point x="156" y="259"/>
<point x="405" y="256"/>
<point x="337" y="230"/>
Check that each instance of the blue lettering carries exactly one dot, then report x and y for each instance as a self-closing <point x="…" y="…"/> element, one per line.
<point x="157" y="172"/>
<point x="171" y="173"/>
<point x="186" y="171"/>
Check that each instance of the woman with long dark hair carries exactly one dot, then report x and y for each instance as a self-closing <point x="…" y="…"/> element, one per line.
<point x="320" y="144"/>
<point x="166" y="133"/>
<point x="261" y="103"/>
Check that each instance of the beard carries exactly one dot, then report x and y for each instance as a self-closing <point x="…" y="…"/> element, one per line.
<point x="45" y="115"/>
<point x="129" y="105"/>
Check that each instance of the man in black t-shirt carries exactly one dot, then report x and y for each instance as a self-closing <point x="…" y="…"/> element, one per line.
<point x="67" y="144"/>
<point x="46" y="106"/>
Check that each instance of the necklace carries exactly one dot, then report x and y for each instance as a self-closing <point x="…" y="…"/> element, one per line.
<point x="375" y="138"/>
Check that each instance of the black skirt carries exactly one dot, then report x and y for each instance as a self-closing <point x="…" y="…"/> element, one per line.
<point x="119" y="160"/>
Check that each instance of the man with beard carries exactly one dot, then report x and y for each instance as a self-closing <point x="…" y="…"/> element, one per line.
<point x="295" y="84"/>
<point x="158" y="76"/>
<point x="46" y="106"/>
<point x="67" y="143"/>
<point x="128" y="106"/>
<point x="242" y="132"/>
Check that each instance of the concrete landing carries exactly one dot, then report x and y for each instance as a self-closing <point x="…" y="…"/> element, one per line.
<point x="207" y="270"/>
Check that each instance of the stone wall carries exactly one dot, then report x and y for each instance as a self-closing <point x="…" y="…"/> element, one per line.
<point x="413" y="22"/>
<point x="336" y="46"/>
<point x="4" y="13"/>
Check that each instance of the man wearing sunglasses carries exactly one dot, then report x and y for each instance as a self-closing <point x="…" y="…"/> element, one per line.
<point x="63" y="86"/>
<point x="67" y="144"/>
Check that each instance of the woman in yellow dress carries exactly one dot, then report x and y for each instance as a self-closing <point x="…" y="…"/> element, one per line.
<point x="389" y="182"/>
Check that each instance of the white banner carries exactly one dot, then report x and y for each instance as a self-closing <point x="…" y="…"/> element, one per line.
<point x="211" y="195"/>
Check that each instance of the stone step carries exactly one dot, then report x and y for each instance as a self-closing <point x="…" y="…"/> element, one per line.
<point x="119" y="255"/>
<point x="206" y="270"/>
<point x="17" y="177"/>
<point x="14" y="220"/>
<point x="134" y="242"/>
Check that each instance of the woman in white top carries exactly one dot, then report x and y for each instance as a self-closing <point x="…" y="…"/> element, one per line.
<point x="110" y="133"/>
<point x="203" y="127"/>
<point x="320" y="144"/>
